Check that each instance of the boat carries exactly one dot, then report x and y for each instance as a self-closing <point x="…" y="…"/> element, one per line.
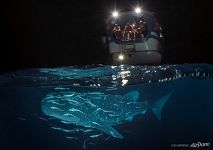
<point x="134" y="37"/>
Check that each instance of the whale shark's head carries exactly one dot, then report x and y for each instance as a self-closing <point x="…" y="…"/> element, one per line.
<point x="54" y="109"/>
<point x="49" y="109"/>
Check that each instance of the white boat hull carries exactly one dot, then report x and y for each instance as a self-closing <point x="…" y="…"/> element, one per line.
<point x="147" y="52"/>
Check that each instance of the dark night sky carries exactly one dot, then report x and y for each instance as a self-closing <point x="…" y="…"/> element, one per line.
<point x="41" y="33"/>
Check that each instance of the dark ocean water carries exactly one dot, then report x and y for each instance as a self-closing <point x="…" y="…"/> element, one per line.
<point x="187" y="116"/>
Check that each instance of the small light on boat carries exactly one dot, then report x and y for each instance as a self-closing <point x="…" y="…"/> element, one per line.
<point x="121" y="57"/>
<point x="138" y="10"/>
<point x="115" y="14"/>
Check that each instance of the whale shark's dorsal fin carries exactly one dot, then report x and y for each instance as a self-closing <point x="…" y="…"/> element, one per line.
<point x="132" y="96"/>
<point x="104" y="127"/>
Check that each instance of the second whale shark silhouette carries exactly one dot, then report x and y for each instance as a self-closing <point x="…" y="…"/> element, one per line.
<point x="99" y="110"/>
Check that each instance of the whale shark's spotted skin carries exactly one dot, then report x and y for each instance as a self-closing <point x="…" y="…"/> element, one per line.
<point x="98" y="110"/>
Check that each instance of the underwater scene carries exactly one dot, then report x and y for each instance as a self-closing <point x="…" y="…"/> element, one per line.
<point x="107" y="107"/>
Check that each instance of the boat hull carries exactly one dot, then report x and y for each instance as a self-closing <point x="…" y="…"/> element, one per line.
<point x="146" y="52"/>
<point x="138" y="58"/>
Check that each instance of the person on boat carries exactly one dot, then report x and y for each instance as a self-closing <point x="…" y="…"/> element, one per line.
<point x="128" y="31"/>
<point x="141" y="28"/>
<point x="117" y="31"/>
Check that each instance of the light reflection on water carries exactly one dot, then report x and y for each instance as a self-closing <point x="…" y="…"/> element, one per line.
<point x="109" y="76"/>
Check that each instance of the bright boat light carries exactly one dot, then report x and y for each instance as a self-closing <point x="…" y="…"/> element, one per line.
<point x="115" y="14"/>
<point x="138" y="10"/>
<point x="121" y="57"/>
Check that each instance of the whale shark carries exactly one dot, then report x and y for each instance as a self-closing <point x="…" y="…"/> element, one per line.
<point x="99" y="110"/>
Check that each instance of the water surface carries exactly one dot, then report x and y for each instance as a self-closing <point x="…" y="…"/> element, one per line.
<point x="186" y="117"/>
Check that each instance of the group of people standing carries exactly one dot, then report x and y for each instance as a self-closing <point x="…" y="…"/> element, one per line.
<point x="130" y="31"/>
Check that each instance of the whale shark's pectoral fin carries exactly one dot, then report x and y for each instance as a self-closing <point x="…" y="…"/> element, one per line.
<point x="106" y="128"/>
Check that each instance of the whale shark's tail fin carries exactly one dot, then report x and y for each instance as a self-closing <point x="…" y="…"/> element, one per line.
<point x="158" y="105"/>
